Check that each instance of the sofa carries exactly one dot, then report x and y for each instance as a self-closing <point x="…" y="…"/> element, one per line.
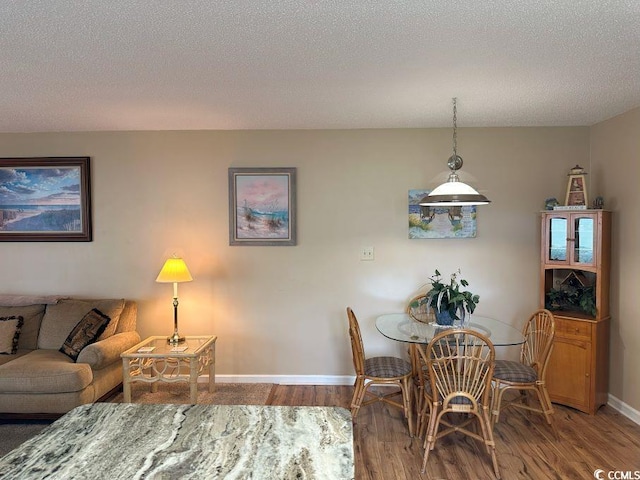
<point x="64" y="352"/>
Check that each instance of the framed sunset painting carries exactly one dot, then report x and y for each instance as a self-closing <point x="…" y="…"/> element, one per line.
<point x="262" y="206"/>
<point x="45" y="199"/>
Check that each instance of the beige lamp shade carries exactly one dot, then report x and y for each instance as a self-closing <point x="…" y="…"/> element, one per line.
<point x="174" y="270"/>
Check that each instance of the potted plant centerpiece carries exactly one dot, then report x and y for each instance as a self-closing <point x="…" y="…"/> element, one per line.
<point x="448" y="302"/>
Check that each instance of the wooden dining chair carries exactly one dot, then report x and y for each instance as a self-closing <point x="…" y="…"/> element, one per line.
<point x="421" y="379"/>
<point x="378" y="371"/>
<point x="418" y="309"/>
<point x="460" y="364"/>
<point x="528" y="374"/>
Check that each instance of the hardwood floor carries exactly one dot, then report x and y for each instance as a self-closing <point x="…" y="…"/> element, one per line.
<point x="526" y="447"/>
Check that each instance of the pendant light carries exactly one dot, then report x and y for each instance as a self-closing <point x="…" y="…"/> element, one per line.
<point x="453" y="192"/>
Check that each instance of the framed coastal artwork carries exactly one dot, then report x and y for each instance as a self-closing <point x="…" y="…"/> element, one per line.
<point x="262" y="206"/>
<point x="45" y="199"/>
<point x="439" y="222"/>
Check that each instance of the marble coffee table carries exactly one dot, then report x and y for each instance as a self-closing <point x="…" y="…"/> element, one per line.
<point x="133" y="441"/>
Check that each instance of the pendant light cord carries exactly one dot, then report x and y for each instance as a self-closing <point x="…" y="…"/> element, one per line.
<point x="455" y="161"/>
<point x="455" y="128"/>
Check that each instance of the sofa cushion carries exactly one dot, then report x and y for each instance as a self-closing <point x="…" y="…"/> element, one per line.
<point x="9" y="358"/>
<point x="32" y="316"/>
<point x="85" y="332"/>
<point x="128" y="317"/>
<point x="44" y="371"/>
<point x="9" y="334"/>
<point x="61" y="318"/>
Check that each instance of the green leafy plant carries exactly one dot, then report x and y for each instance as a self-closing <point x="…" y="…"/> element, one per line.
<point x="572" y="297"/>
<point x="449" y="296"/>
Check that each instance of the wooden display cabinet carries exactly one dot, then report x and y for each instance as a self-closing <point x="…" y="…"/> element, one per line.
<point x="575" y="265"/>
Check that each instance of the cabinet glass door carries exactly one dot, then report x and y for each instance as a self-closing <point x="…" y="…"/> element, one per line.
<point x="558" y="239"/>
<point x="583" y="240"/>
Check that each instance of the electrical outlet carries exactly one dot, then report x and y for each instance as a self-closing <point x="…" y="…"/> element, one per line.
<point x="366" y="254"/>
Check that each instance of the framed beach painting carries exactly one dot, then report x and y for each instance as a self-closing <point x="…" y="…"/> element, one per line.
<point x="45" y="199"/>
<point x="262" y="206"/>
<point x="439" y="222"/>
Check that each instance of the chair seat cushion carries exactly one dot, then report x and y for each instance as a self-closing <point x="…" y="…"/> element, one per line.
<point x="512" y="371"/>
<point x="386" y="367"/>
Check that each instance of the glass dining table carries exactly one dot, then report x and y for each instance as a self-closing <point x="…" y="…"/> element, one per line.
<point x="404" y="328"/>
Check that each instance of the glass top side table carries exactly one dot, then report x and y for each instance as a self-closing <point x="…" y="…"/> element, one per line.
<point x="154" y="360"/>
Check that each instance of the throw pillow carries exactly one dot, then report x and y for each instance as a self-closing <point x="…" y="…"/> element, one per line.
<point x="85" y="332"/>
<point x="9" y="334"/>
<point x="32" y="316"/>
<point x="61" y="318"/>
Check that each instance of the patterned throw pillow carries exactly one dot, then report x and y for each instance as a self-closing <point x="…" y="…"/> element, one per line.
<point x="84" y="333"/>
<point x="9" y="334"/>
<point x="61" y="318"/>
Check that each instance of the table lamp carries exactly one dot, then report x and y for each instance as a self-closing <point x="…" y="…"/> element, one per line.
<point x="174" y="271"/>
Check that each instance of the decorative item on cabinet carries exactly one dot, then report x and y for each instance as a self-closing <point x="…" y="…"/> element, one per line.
<point x="550" y="203"/>
<point x="575" y="292"/>
<point x="598" y="203"/>
<point x="577" y="187"/>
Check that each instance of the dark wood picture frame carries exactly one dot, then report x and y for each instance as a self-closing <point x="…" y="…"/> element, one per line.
<point x="262" y="206"/>
<point x="45" y="199"/>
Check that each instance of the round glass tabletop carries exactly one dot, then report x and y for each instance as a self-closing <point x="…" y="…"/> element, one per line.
<point x="403" y="328"/>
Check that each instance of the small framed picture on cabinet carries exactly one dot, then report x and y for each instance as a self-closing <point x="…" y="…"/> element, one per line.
<point x="576" y="190"/>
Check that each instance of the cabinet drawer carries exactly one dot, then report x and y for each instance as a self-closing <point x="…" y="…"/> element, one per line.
<point x="573" y="328"/>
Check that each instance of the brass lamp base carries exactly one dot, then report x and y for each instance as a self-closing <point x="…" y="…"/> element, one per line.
<point x="175" y="339"/>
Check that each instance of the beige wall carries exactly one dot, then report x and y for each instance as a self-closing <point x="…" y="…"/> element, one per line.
<point x="615" y="156"/>
<point x="281" y="310"/>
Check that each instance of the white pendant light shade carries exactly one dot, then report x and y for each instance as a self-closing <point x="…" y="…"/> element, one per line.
<point x="453" y="192"/>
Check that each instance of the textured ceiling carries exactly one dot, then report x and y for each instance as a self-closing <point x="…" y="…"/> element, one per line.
<point x="72" y="65"/>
